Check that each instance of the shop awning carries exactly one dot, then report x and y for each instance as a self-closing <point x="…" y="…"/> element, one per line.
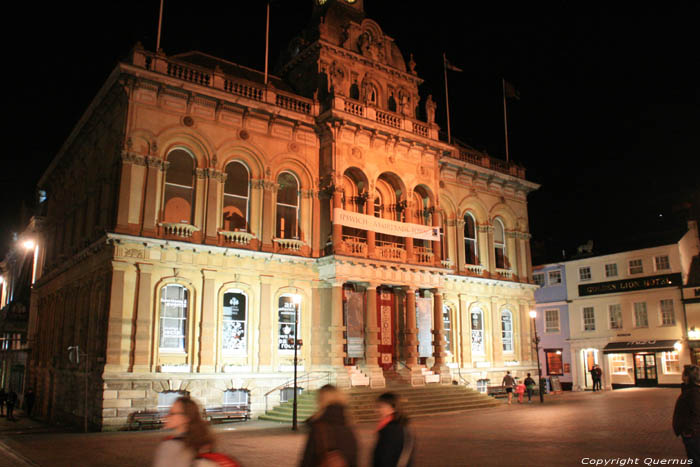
<point x="640" y="346"/>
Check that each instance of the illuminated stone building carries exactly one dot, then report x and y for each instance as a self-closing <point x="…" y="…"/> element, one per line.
<point x="194" y="209"/>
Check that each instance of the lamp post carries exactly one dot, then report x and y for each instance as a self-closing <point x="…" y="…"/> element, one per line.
<point x="297" y="301"/>
<point x="533" y="315"/>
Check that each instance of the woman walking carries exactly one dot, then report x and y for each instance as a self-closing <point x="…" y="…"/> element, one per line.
<point x="395" y="442"/>
<point x="331" y="441"/>
<point x="191" y="436"/>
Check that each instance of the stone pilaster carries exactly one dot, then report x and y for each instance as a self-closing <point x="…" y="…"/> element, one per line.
<point x="266" y="331"/>
<point x="413" y="371"/>
<point x="209" y="339"/>
<point x="143" y="335"/>
<point x="335" y="341"/>
<point x="371" y="364"/>
<point x="120" y="317"/>
<point x="496" y="334"/>
<point x="439" y="367"/>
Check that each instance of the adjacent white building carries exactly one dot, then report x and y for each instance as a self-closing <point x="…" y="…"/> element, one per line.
<point x="627" y="315"/>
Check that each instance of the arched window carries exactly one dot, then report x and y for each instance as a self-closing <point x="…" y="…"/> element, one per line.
<point x="378" y="206"/>
<point x="477" y="319"/>
<point x="287" y="206"/>
<point x="354" y="91"/>
<point x="174" y="303"/>
<point x="499" y="244"/>
<point x="236" y="196"/>
<point x="470" y="256"/>
<point x="447" y="324"/>
<point x="392" y="103"/>
<point x="288" y="315"/>
<point x="507" y="330"/>
<point x="235" y="312"/>
<point x="179" y="188"/>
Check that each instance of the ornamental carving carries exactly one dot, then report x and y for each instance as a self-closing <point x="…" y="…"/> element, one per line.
<point x="216" y="175"/>
<point x="257" y="183"/>
<point x="133" y="158"/>
<point x="155" y="162"/>
<point x="200" y="173"/>
<point x="484" y="228"/>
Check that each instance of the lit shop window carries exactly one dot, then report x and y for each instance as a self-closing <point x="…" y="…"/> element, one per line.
<point x="236" y="196"/>
<point x="584" y="273"/>
<point x="662" y="263"/>
<point x="554" y="277"/>
<point x="538" y="279"/>
<point x="618" y="363"/>
<point x="287" y="313"/>
<point x="672" y="363"/>
<point x="588" y="318"/>
<point x="668" y="317"/>
<point x="470" y="240"/>
<point x="507" y="330"/>
<point x="477" y="317"/>
<point x="179" y="187"/>
<point x="635" y="266"/>
<point x="615" y="316"/>
<point x="447" y="324"/>
<point x="287" y="206"/>
<point x="551" y="321"/>
<point x="611" y="270"/>
<point x="235" y="304"/>
<point x="641" y="318"/>
<point x="554" y="361"/>
<point x="173" y="317"/>
<point x="499" y="243"/>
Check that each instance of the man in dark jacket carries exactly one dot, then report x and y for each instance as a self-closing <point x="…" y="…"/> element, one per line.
<point x="11" y="403"/>
<point x="3" y="399"/>
<point x="686" y="415"/>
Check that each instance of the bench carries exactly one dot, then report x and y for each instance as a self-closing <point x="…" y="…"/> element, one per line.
<point x="228" y="412"/>
<point x="147" y="418"/>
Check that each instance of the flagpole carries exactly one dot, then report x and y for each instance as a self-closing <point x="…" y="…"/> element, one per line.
<point x="160" y="23"/>
<point x="267" y="39"/>
<point x="447" y="99"/>
<point x="505" y="117"/>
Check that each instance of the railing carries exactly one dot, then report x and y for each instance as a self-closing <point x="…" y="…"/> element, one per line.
<point x="388" y="119"/>
<point x="475" y="269"/>
<point x="390" y="251"/>
<point x="291" y="103"/>
<point x="178" y="229"/>
<point x="504" y="273"/>
<point x="244" y="90"/>
<point x="242" y="238"/>
<point x="355" y="245"/>
<point x="424" y="255"/>
<point x="421" y="130"/>
<point x="354" y="108"/>
<point x="305" y="378"/>
<point x="484" y="160"/>
<point x="289" y="244"/>
<point x="188" y="74"/>
<point x="447" y="263"/>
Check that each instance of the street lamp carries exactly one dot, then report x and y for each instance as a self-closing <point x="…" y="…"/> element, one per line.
<point x="28" y="244"/>
<point x="533" y="315"/>
<point x="296" y="299"/>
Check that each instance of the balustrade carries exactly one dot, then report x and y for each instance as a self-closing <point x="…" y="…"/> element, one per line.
<point x="504" y="273"/>
<point x="188" y="74"/>
<point x="354" y="108"/>
<point x="240" y="238"/>
<point x="178" y="230"/>
<point x="390" y="251"/>
<point x="424" y="255"/>
<point x="356" y="246"/>
<point x="388" y="119"/>
<point x="289" y="244"/>
<point x="475" y="269"/>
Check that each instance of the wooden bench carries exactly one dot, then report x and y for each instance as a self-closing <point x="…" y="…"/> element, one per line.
<point x="228" y="412"/>
<point x="147" y="418"/>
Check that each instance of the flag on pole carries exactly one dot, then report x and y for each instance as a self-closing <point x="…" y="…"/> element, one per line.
<point x="510" y="90"/>
<point x="450" y="66"/>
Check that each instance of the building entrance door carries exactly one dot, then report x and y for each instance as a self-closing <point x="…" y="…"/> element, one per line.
<point x="386" y="322"/>
<point x="590" y="358"/>
<point x="645" y="369"/>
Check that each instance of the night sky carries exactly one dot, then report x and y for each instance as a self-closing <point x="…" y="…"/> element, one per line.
<point x="606" y="122"/>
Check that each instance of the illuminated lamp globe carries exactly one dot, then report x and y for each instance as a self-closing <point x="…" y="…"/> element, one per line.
<point x="533" y="314"/>
<point x="28" y="244"/>
<point x="678" y="346"/>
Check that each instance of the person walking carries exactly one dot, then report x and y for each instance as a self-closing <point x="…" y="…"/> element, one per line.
<point x="686" y="415"/>
<point x="520" y="391"/>
<point x="530" y="387"/>
<point x="594" y="377"/>
<point x="191" y="436"/>
<point x="395" y="442"/>
<point x="29" y="399"/>
<point x="3" y="399"/>
<point x="11" y="403"/>
<point x="508" y="383"/>
<point x="331" y="440"/>
<point x="599" y="377"/>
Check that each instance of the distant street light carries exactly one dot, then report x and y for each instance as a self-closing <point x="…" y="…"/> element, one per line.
<point x="28" y="244"/>
<point x="533" y="315"/>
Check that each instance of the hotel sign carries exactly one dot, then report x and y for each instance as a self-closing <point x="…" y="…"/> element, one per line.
<point x="628" y="285"/>
<point x="385" y="226"/>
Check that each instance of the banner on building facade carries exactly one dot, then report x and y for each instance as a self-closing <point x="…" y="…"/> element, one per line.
<point x="424" y="307"/>
<point x="385" y="226"/>
<point x="354" y="322"/>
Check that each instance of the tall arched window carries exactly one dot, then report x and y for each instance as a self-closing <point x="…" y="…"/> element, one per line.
<point x="447" y="324"/>
<point x="477" y="321"/>
<point x="499" y="243"/>
<point x="174" y="303"/>
<point x="470" y="240"/>
<point x="236" y="196"/>
<point x="287" y="206"/>
<point x="179" y="187"/>
<point x="507" y="331"/>
<point x="235" y="312"/>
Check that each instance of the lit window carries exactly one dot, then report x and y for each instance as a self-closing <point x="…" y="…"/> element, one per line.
<point x="551" y="318"/>
<point x="499" y="244"/>
<point x="636" y="266"/>
<point x="477" y="317"/>
<point x="611" y="270"/>
<point x="234" y="321"/>
<point x="641" y="318"/>
<point x="538" y="279"/>
<point x="179" y="188"/>
<point x="236" y="195"/>
<point x="553" y="357"/>
<point x="507" y="331"/>
<point x="668" y="317"/>
<point x="662" y="263"/>
<point x="470" y="256"/>
<point x="173" y="317"/>
<point x="236" y="397"/>
<point x="584" y="273"/>
<point x="447" y="324"/>
<point x="287" y="206"/>
<point x="618" y="363"/>
<point x="554" y="277"/>
<point x="589" y="318"/>
<point x="672" y="364"/>
<point x="615" y="316"/>
<point x="286" y="316"/>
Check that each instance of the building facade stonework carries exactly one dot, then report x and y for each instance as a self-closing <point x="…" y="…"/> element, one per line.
<point x="196" y="219"/>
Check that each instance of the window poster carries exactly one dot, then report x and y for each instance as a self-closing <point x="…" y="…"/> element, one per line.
<point x="424" y="322"/>
<point x="286" y="314"/>
<point x="354" y="322"/>
<point x="477" y="332"/>
<point x="234" y="322"/>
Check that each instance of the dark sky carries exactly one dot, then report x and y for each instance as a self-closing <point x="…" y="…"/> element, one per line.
<point x="607" y="120"/>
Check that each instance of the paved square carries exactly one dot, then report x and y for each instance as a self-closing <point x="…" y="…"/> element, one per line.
<point x="631" y="423"/>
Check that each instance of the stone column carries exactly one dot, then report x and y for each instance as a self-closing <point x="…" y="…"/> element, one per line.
<point x="266" y="330"/>
<point x="489" y="249"/>
<point x="319" y="353"/>
<point x="371" y="235"/>
<point x="410" y="257"/>
<point x="337" y="228"/>
<point x="209" y="339"/>
<point x="120" y="317"/>
<point x="439" y="367"/>
<point x="336" y="329"/>
<point x="526" y="349"/>
<point x="256" y="214"/>
<point x="437" y="250"/>
<point x="143" y="336"/>
<point x="154" y="179"/>
<point x="460" y="259"/>
<point x="213" y="205"/>
<point x="130" y="192"/>
<point x="268" y="215"/>
<point x="413" y="372"/>
<point x="465" y="331"/>
<point x="496" y="334"/>
<point x="371" y="364"/>
<point x="317" y="243"/>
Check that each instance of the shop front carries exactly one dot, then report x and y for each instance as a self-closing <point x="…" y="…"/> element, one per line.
<point x="644" y="363"/>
